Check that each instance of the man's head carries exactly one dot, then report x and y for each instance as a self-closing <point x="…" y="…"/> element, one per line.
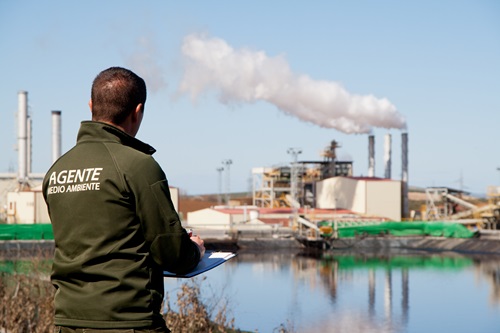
<point x="118" y="97"/>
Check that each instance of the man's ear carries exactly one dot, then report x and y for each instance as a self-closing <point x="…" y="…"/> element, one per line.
<point x="138" y="112"/>
<point x="90" y="107"/>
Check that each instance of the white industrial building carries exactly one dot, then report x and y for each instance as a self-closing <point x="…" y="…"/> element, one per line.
<point x="364" y="196"/>
<point x="27" y="207"/>
<point x="229" y="218"/>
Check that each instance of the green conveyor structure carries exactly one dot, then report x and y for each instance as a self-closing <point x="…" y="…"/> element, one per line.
<point x="403" y="228"/>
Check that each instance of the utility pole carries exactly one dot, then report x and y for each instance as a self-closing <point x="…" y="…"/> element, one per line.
<point x="227" y="163"/>
<point x="219" y="194"/>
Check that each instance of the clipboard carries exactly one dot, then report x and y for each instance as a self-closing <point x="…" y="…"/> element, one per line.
<point x="210" y="260"/>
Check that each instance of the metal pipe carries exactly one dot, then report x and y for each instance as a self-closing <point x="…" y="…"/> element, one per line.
<point x="404" y="174"/>
<point x="371" y="156"/>
<point x="29" y="144"/>
<point x="22" y="144"/>
<point x="56" y="135"/>
<point x="387" y="156"/>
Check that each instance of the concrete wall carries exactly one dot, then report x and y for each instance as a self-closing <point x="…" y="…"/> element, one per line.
<point x="336" y="192"/>
<point x="359" y="198"/>
<point x="340" y="193"/>
<point x="384" y="199"/>
<point x="380" y="198"/>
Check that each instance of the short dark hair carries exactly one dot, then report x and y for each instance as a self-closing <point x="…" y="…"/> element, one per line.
<point x="116" y="92"/>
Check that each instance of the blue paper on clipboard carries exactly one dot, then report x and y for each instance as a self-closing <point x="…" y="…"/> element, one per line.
<point x="210" y="260"/>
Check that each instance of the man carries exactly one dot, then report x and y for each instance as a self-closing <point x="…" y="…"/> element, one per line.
<point x="115" y="227"/>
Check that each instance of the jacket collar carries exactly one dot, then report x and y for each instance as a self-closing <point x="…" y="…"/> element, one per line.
<point x="98" y="131"/>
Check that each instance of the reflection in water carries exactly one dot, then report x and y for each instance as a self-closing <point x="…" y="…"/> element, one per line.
<point x="388" y="295"/>
<point x="405" y="301"/>
<point x="350" y="292"/>
<point x="353" y="292"/>
<point x="371" y="292"/>
<point x="490" y="271"/>
<point x="343" y="270"/>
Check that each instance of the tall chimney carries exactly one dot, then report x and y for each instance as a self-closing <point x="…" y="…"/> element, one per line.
<point x="56" y="135"/>
<point x="29" y="144"/>
<point x="404" y="174"/>
<point x="387" y="156"/>
<point x="371" y="156"/>
<point x="22" y="137"/>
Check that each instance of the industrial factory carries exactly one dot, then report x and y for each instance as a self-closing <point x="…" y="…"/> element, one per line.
<point x="307" y="192"/>
<point x="304" y="192"/>
<point x="330" y="184"/>
<point x="327" y="184"/>
<point x="21" y="199"/>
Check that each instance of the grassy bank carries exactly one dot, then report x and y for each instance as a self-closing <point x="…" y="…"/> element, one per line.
<point x="26" y="303"/>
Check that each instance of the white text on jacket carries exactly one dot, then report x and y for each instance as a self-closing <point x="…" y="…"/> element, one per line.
<point x="75" y="180"/>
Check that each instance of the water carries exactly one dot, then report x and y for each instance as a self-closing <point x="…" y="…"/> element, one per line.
<point x="348" y="292"/>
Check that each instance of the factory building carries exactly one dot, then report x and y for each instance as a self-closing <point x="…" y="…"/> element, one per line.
<point x="330" y="184"/>
<point x="307" y="192"/>
<point x="271" y="186"/>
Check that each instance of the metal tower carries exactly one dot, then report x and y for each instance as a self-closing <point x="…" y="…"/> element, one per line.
<point x="227" y="163"/>
<point x="219" y="193"/>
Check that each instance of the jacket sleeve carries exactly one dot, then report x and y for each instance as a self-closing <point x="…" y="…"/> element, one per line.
<point x="170" y="245"/>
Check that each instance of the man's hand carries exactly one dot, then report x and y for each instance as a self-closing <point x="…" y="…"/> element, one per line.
<point x="200" y="243"/>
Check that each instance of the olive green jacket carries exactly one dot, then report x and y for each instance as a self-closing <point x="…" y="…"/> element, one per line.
<point x="115" y="231"/>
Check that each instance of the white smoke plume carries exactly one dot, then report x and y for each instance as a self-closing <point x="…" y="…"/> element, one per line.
<point x="145" y="61"/>
<point x="248" y="76"/>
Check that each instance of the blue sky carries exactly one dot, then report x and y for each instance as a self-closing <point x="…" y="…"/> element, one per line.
<point x="435" y="63"/>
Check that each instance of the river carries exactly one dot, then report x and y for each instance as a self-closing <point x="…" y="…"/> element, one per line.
<point x="356" y="292"/>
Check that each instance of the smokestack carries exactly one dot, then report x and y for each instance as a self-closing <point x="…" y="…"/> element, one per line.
<point x="29" y="144"/>
<point x="404" y="173"/>
<point x="56" y="135"/>
<point x="22" y="137"/>
<point x="387" y="156"/>
<point x="371" y="156"/>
